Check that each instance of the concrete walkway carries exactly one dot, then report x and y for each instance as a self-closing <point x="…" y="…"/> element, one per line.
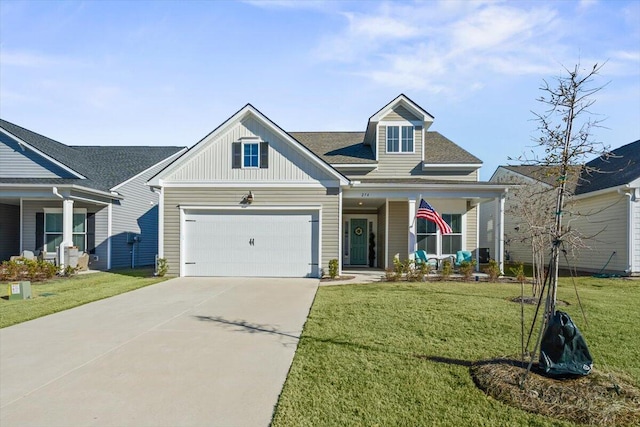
<point x="186" y="352"/>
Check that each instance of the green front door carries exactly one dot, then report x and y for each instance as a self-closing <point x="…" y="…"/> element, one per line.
<point x="359" y="242"/>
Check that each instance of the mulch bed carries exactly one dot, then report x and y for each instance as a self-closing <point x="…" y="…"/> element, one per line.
<point x="595" y="399"/>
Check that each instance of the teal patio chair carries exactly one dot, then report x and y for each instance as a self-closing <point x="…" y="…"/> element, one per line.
<point x="462" y="256"/>
<point x="421" y="258"/>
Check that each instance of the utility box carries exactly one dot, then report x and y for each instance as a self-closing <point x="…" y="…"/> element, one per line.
<point x="19" y="290"/>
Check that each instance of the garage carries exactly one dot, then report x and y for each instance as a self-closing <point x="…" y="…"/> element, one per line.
<point x="250" y="243"/>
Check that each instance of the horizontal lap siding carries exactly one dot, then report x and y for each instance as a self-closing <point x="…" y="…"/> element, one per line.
<point x="398" y="231"/>
<point x="17" y="162"/>
<point x="263" y="197"/>
<point x="382" y="235"/>
<point x="397" y="164"/>
<point x="635" y="268"/>
<point x="605" y="220"/>
<point x="471" y="239"/>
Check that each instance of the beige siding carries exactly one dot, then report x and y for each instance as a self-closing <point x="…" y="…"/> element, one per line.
<point x="453" y="176"/>
<point x="636" y="237"/>
<point x="212" y="161"/>
<point x="397" y="165"/>
<point x="398" y="231"/>
<point x="264" y="197"/>
<point x="471" y="222"/>
<point x="603" y="220"/>
<point x="399" y="112"/>
<point x="382" y="235"/>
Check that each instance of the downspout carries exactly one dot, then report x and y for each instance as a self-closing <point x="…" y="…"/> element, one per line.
<point x="60" y="248"/>
<point x="630" y="193"/>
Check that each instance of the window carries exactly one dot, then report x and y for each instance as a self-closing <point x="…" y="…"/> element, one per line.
<point x="250" y="155"/>
<point x="431" y="241"/>
<point x="399" y="139"/>
<point x="53" y="230"/>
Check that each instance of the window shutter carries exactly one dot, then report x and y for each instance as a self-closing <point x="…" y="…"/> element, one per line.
<point x="91" y="232"/>
<point x="39" y="231"/>
<point x="236" y="155"/>
<point x="264" y="155"/>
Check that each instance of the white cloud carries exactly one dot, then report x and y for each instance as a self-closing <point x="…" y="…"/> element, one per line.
<point x="449" y="47"/>
<point x="33" y="60"/>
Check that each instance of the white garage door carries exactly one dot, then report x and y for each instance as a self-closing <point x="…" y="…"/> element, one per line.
<point x="250" y="243"/>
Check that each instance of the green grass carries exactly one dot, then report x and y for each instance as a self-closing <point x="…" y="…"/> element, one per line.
<point x="63" y="293"/>
<point x="397" y="354"/>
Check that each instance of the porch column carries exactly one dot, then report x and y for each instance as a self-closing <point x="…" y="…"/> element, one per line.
<point x="67" y="229"/>
<point x="412" y="228"/>
<point x="499" y="232"/>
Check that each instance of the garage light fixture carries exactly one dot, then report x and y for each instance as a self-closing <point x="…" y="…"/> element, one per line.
<point x="249" y="198"/>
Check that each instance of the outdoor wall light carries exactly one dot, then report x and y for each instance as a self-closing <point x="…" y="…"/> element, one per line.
<point x="249" y="197"/>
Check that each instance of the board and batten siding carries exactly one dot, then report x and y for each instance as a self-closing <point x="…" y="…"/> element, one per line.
<point x="264" y="198"/>
<point x="19" y="162"/>
<point x="9" y="231"/>
<point x="136" y="213"/>
<point x="213" y="161"/>
<point x="31" y="207"/>
<point x="398" y="231"/>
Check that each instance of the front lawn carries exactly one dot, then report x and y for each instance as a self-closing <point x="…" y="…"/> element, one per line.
<point x="60" y="294"/>
<point x="398" y="354"/>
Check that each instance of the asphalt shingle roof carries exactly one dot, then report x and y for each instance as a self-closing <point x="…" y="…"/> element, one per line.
<point x="104" y="167"/>
<point x="621" y="167"/>
<point x="348" y="148"/>
<point x="337" y="147"/>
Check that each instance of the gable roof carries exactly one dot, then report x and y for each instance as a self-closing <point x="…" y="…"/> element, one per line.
<point x="102" y="167"/>
<point x="404" y="100"/>
<point x="249" y="110"/>
<point x="620" y="167"/>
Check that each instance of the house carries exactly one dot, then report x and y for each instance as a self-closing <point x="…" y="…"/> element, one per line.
<point x="605" y="209"/>
<point x="251" y="199"/>
<point x="94" y="198"/>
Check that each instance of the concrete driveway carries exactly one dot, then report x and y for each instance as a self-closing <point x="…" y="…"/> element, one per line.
<point x="185" y="352"/>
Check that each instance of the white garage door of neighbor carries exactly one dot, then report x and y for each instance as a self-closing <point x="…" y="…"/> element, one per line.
<point x="246" y="244"/>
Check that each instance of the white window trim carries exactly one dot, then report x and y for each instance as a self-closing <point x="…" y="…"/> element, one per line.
<point x="244" y="144"/>
<point x="399" y="125"/>
<point x="59" y="211"/>
<point x="439" y="235"/>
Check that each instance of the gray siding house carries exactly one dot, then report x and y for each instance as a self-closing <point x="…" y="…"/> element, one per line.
<point x="94" y="198"/>
<point x="604" y="208"/>
<point x="251" y="199"/>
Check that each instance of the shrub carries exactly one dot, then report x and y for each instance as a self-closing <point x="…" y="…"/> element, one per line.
<point x="418" y="273"/>
<point x="466" y="269"/>
<point x="518" y="272"/>
<point x="25" y="269"/>
<point x="390" y="275"/>
<point x="493" y="270"/>
<point x="447" y="268"/>
<point x="333" y="268"/>
<point x="163" y="267"/>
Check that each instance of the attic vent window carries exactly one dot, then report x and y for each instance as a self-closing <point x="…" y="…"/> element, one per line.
<point x="399" y="139"/>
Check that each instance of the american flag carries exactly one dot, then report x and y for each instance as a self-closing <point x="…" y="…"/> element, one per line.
<point x="426" y="211"/>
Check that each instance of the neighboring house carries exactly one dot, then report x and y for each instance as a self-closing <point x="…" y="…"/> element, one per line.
<point x="91" y="197"/>
<point x="605" y="209"/>
<point x="251" y="199"/>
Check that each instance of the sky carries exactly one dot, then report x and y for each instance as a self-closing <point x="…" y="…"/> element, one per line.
<point x="168" y="73"/>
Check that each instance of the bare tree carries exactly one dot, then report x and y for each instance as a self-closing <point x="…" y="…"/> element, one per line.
<point x="566" y="137"/>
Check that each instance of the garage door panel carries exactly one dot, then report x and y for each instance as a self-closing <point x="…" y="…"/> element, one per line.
<point x="268" y="244"/>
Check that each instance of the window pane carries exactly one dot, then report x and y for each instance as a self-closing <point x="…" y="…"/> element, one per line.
<point x="52" y="242"/>
<point x="455" y="221"/>
<point x="407" y="138"/>
<point x="451" y="244"/>
<point x="251" y="155"/>
<point x="78" y="222"/>
<point x="53" y="222"/>
<point x="427" y="243"/>
<point x="393" y="140"/>
<point x="78" y="240"/>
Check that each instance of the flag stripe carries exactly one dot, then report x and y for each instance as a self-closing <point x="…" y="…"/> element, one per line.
<point x="426" y="211"/>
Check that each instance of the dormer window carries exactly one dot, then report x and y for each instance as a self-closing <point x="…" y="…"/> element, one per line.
<point x="399" y="139"/>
